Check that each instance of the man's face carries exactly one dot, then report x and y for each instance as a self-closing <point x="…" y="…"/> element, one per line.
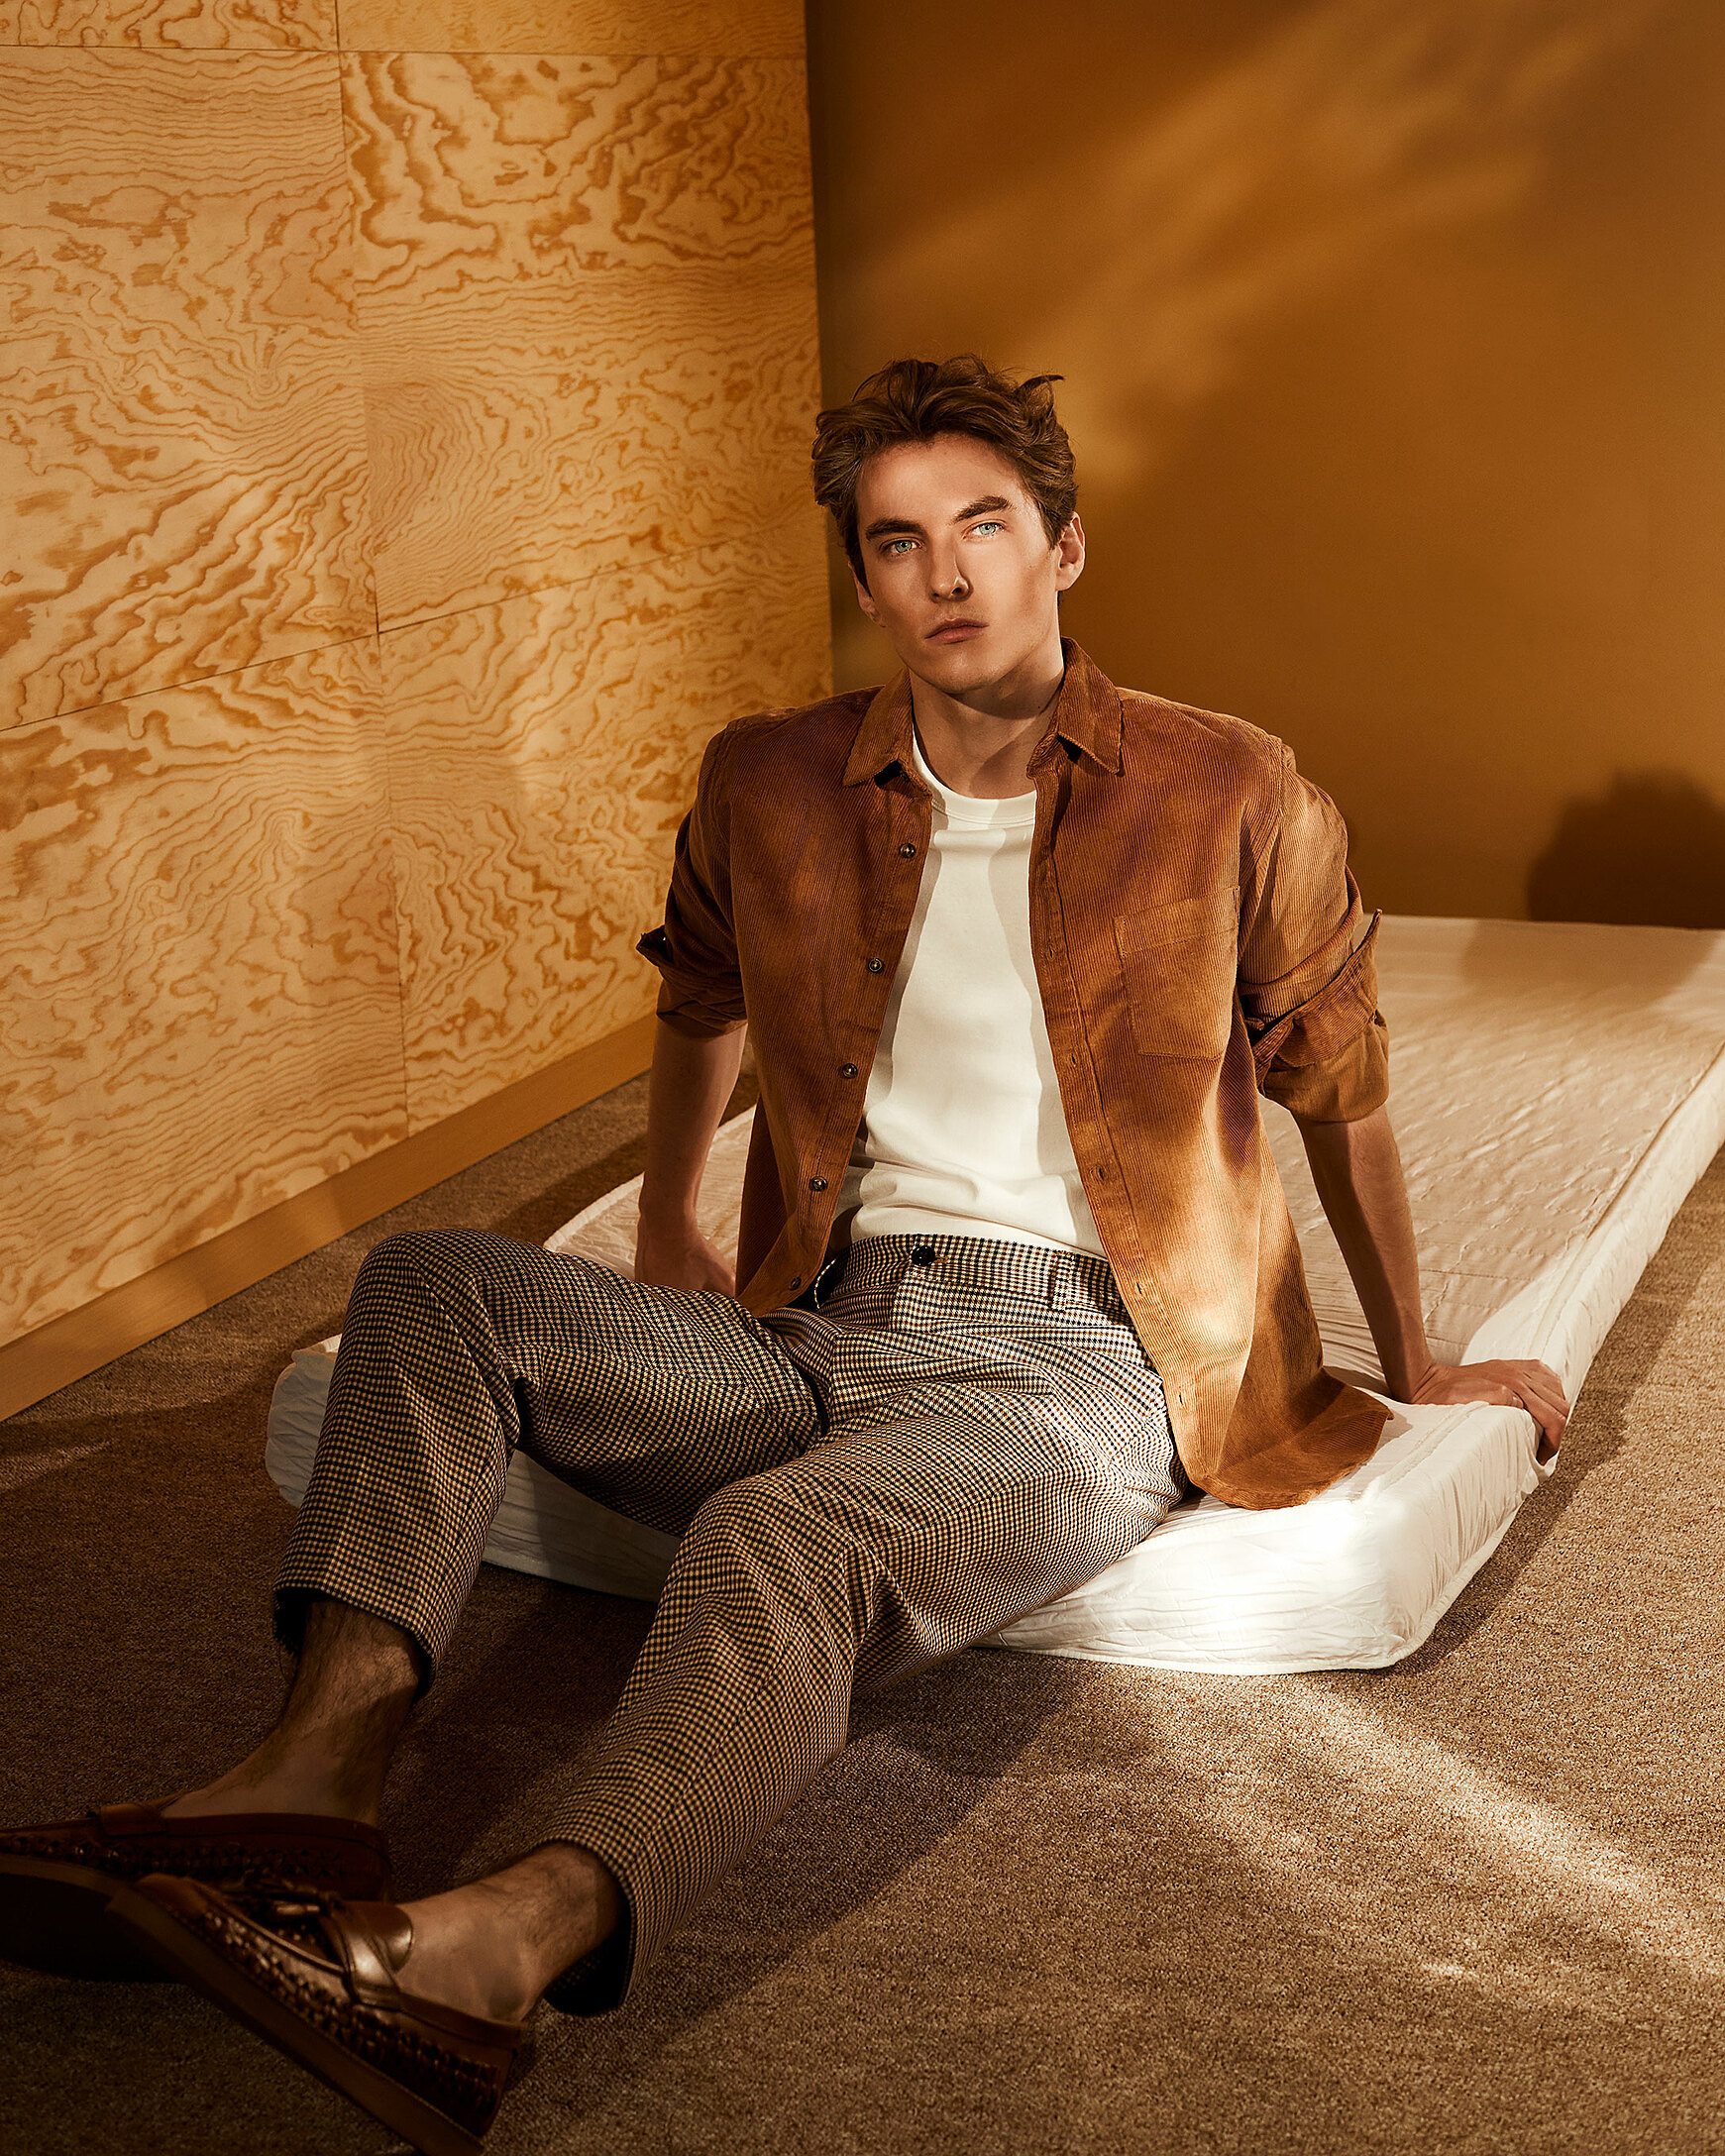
<point x="961" y="575"/>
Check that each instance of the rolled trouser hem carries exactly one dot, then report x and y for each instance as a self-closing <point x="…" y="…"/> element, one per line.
<point x="601" y="1979"/>
<point x="288" y="1618"/>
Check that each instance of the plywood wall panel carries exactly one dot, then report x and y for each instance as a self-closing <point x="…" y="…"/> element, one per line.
<point x="185" y="461"/>
<point x="546" y="749"/>
<point x="202" y="1008"/>
<point x="473" y="170"/>
<point x="532" y="437"/>
<point x="529" y="285"/>
<point x="573" y="25"/>
<point x="179" y="25"/>
<point x="587" y="310"/>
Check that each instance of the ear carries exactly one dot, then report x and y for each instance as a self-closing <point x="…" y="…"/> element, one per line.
<point x="1069" y="556"/>
<point x="862" y="597"/>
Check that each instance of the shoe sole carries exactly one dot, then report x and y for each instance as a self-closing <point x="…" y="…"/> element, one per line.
<point x="54" y="1917"/>
<point x="182" y="1954"/>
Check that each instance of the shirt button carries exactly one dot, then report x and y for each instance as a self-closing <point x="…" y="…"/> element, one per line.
<point x="848" y="1070"/>
<point x="818" y="1182"/>
<point x="907" y="852"/>
<point x="798" y="1281"/>
<point x="875" y="966"/>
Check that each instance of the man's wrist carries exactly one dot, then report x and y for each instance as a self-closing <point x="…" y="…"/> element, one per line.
<point x="672" y="1221"/>
<point x="1404" y="1375"/>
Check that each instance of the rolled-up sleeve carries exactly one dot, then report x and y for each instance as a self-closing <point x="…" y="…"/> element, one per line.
<point x="1308" y="978"/>
<point x="700" y="989"/>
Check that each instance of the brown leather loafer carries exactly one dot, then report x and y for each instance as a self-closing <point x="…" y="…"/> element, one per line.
<point x="57" y="1880"/>
<point x="319" y="1983"/>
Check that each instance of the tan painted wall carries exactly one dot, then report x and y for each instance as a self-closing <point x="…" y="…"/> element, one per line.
<point x="404" y="474"/>
<point x="1393" y="339"/>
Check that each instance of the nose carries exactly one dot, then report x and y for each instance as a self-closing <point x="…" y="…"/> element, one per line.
<point x="946" y="578"/>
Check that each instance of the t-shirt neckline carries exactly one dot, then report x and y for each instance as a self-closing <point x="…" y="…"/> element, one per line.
<point x="972" y="810"/>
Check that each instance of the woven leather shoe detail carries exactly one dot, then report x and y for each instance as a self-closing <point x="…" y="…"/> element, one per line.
<point x="266" y="1851"/>
<point x="428" y="2070"/>
<point x="57" y="1880"/>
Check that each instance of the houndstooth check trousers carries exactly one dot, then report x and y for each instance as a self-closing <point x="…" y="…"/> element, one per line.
<point x="958" y="1432"/>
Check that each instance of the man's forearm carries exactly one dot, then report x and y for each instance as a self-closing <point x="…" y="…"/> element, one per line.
<point x="693" y="1078"/>
<point x="1358" y="1174"/>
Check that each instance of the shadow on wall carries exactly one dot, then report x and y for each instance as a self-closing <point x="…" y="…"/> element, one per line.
<point x="1649" y="851"/>
<point x="1159" y="239"/>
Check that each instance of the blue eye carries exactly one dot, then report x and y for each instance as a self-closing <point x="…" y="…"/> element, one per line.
<point x="993" y="524"/>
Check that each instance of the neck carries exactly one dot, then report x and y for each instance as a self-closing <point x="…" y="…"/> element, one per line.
<point x="979" y="742"/>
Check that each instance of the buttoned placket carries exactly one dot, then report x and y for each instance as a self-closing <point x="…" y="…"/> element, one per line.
<point x="1080" y="1090"/>
<point x="905" y="811"/>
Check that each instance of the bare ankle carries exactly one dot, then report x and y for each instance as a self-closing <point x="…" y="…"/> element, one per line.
<point x="490" y="1948"/>
<point x="353" y="1688"/>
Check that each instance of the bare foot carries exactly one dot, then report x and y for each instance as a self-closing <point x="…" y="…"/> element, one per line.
<point x="249" y="1788"/>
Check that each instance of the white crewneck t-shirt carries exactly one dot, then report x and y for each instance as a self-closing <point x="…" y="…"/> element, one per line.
<point x="963" y="1133"/>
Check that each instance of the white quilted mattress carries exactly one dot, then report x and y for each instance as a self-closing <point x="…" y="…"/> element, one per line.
<point x="1557" y="1091"/>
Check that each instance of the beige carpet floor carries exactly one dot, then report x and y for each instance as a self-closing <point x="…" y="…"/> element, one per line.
<point x="1472" y="1903"/>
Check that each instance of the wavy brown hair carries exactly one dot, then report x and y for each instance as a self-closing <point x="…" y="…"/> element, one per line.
<point x="913" y="400"/>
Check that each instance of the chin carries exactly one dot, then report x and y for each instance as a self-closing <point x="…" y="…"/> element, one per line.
<point x="959" y="666"/>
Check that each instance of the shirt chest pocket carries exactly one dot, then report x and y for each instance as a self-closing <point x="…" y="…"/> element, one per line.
<point x="1178" y="964"/>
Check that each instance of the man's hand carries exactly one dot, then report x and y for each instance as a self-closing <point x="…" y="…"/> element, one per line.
<point x="1530" y="1385"/>
<point x="1358" y="1176"/>
<point x="679" y="1256"/>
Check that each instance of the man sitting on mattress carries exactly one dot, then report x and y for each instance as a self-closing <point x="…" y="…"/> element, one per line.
<point x="1018" y="950"/>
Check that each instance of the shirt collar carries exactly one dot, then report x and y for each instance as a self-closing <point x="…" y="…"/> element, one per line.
<point x="1087" y="716"/>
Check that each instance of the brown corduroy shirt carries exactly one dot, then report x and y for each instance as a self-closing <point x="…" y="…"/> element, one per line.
<point x="1197" y="937"/>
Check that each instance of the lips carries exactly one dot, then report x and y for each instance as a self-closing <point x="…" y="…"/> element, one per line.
<point x="956" y="632"/>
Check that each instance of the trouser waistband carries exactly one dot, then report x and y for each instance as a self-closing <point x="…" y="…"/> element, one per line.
<point x="1033" y="1270"/>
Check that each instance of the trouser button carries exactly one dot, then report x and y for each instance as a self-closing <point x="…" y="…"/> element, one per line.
<point x="922" y="1253"/>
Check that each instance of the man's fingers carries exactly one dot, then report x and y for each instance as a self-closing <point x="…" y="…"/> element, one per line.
<point x="1534" y="1387"/>
<point x="1535" y="1380"/>
<point x="1544" y="1391"/>
<point x="1543" y="1378"/>
<point x="1549" y="1415"/>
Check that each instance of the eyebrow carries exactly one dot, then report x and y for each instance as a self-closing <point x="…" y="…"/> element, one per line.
<point x="883" y="526"/>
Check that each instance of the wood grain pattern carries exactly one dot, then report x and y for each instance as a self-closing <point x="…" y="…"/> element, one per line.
<point x="632" y="417"/>
<point x="71" y="1347"/>
<point x="201" y="957"/>
<point x="544" y="752"/>
<point x="546" y="309"/>
<point x="473" y="170"/>
<point x="185" y="461"/>
<point x="179" y="25"/>
<point x="588" y="313"/>
<point x="573" y="25"/>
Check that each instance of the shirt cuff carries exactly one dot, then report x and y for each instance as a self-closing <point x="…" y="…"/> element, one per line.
<point x="1328" y="1059"/>
<point x="687" y="1005"/>
<point x="1340" y="1089"/>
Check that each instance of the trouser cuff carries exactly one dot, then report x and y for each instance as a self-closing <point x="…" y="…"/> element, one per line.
<point x="601" y="1979"/>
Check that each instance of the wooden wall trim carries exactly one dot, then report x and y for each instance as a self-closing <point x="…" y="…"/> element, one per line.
<point x="72" y="1346"/>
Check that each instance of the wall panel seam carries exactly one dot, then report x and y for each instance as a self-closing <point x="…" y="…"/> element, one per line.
<point x="190" y="680"/>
